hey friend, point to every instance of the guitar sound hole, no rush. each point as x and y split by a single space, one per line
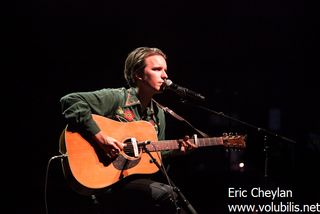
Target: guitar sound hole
128 159
129 150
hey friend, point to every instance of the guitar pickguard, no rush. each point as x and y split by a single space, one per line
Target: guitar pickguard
122 163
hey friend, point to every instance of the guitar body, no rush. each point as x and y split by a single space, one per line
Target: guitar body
89 170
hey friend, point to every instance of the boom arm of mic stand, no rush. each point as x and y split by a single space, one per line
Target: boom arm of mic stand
258 129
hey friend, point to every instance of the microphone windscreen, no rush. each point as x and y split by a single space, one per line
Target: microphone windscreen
168 82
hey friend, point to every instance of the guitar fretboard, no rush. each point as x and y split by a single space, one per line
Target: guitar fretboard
174 144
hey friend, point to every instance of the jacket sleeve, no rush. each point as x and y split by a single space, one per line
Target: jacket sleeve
77 108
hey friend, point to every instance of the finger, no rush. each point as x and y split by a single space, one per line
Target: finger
186 141
114 152
119 145
189 144
115 144
183 144
192 145
183 149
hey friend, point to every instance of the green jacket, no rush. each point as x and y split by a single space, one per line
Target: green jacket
120 104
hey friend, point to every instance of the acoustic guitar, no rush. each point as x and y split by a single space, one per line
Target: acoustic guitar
89 170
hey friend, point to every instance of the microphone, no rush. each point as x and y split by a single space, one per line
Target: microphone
181 91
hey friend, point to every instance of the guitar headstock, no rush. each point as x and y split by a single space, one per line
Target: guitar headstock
234 141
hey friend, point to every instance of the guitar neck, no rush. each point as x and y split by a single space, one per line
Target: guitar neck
174 144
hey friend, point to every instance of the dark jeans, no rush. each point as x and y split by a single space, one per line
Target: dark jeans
139 196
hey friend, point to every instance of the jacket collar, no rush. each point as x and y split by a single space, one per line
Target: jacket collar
132 98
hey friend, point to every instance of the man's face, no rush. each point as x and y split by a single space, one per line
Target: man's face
155 72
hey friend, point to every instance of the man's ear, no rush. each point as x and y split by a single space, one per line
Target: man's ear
138 76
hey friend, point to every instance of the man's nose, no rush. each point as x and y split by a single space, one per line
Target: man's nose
164 75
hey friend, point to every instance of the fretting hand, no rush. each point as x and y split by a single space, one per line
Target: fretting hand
186 145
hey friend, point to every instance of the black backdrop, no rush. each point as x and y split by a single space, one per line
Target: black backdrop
253 61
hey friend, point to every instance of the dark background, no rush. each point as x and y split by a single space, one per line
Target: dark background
253 60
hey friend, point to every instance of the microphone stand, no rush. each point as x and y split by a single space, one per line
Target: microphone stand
263 131
174 187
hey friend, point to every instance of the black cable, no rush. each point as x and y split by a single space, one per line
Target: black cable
46 178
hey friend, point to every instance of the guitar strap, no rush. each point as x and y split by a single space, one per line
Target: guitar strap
180 118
